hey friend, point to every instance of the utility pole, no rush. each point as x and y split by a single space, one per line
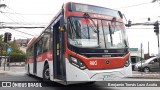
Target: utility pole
141 58
2 5
148 49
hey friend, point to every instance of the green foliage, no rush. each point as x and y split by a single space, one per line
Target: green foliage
15 48
16 55
17 58
1 40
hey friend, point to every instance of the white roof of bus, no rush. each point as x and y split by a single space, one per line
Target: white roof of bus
31 42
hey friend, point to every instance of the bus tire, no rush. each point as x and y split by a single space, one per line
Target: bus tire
46 73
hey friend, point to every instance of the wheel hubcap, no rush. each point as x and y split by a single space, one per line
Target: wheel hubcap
47 73
146 70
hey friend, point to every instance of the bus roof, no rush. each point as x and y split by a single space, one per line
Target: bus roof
89 5
31 42
94 10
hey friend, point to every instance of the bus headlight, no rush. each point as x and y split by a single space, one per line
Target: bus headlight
127 62
76 62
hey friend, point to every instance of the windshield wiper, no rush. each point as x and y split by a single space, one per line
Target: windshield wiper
73 28
110 32
113 21
86 15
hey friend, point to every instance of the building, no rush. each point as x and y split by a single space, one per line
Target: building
136 56
23 44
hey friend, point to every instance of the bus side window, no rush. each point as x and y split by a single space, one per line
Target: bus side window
30 52
39 46
45 44
46 40
51 37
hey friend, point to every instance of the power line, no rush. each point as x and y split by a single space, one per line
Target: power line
23 13
18 17
15 27
22 32
13 18
9 18
15 34
11 27
26 14
15 14
25 23
22 18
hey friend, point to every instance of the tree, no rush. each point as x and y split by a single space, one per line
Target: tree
16 55
1 44
15 48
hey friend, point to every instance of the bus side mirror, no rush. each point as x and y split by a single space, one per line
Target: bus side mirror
129 24
120 14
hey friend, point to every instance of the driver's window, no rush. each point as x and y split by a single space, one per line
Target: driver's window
151 62
155 60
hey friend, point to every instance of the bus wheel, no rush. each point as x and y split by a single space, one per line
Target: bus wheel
46 73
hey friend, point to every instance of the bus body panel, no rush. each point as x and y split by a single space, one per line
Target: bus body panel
51 70
40 66
40 60
99 63
75 74
31 68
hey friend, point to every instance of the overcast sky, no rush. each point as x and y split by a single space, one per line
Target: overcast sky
42 11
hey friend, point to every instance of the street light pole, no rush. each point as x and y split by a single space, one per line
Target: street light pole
141 59
156 30
158 40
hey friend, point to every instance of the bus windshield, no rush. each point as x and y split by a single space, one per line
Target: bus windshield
96 33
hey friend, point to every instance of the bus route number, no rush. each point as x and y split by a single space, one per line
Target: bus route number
93 63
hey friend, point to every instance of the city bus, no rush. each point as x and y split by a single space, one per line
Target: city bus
82 43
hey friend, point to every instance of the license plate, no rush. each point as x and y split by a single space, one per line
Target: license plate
110 76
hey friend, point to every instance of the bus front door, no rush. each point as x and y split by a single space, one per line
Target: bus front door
58 62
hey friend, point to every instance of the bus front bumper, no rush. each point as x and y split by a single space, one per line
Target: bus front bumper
75 74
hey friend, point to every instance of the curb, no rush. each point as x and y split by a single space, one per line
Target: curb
145 77
1 71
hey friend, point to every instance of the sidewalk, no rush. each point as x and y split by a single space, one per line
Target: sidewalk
2 70
14 69
150 75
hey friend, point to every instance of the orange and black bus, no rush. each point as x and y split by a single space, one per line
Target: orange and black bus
82 43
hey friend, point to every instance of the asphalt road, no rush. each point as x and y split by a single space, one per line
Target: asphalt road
18 74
